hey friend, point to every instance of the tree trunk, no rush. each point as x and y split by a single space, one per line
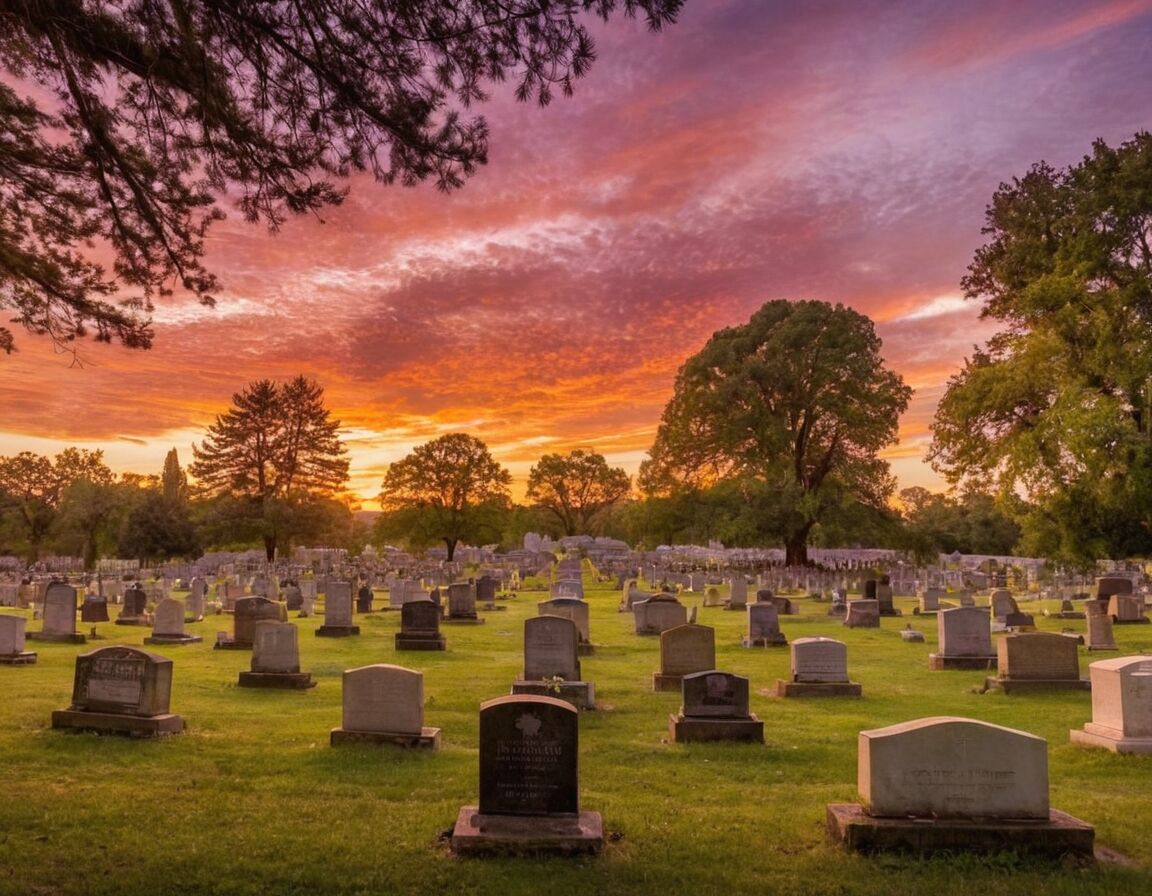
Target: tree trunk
451 544
796 547
270 547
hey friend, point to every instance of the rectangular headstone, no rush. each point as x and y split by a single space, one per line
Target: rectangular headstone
529 757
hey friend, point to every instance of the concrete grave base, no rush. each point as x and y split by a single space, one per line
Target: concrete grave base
410 642
292 681
1036 685
427 739
1143 620
462 620
1061 835
682 729
72 638
581 694
779 641
1093 735
662 682
337 631
818 688
133 620
517 835
173 639
24 658
937 661
112 723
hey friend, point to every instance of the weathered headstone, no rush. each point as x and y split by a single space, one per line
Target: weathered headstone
819 669
658 614
168 624
1127 609
276 659
964 640
1036 661
884 598
364 599
863 613
59 618
12 652
738 593
930 600
684 650
1100 636
420 627
568 588
194 605
121 690
574 609
94 608
954 783
1006 611
529 783
462 604
338 612
135 608
764 626
551 662
248 612
715 707
384 704
1121 706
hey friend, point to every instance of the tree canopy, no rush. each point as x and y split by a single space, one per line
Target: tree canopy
576 488
274 451
798 400
141 115
450 489
1058 405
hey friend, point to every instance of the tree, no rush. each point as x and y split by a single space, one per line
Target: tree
1057 406
173 481
797 400
275 451
158 529
450 489
160 108
33 486
972 523
576 489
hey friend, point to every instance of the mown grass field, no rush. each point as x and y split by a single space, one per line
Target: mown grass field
253 800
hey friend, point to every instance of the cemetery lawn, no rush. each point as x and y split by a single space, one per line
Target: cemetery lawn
252 801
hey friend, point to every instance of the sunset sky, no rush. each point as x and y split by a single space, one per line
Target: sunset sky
756 150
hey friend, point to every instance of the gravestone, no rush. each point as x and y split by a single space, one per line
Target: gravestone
633 596
486 593
551 662
819 669
764 626
839 605
194 606
573 588
276 659
1121 706
420 627
121 690
1106 586
684 650
1127 609
364 599
574 609
59 616
884 598
384 704
1100 636
94 608
1006 611
738 593
1029 662
658 614
715 707
863 613
168 624
462 604
307 597
967 599
956 784
135 608
248 612
930 600
964 640
529 783
338 612
293 597
12 652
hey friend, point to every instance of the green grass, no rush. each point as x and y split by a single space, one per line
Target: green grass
253 800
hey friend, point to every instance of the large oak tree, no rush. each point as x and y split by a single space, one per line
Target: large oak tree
271 455
1057 406
124 122
576 488
450 489
793 407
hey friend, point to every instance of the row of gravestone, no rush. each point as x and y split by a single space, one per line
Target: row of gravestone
937 782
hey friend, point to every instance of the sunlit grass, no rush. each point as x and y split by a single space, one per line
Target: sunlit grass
252 800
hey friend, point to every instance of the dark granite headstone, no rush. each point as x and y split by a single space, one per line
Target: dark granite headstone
121 690
419 627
